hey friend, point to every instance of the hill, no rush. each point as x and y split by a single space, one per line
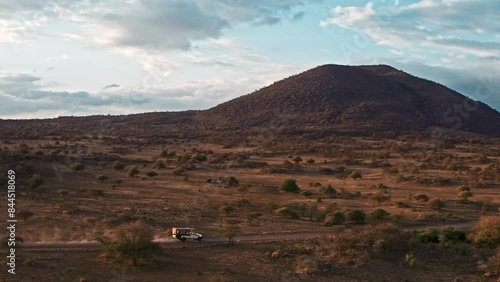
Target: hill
353 100
356 99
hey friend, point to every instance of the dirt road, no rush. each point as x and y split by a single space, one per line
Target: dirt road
170 242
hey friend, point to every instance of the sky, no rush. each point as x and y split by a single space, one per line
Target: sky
70 57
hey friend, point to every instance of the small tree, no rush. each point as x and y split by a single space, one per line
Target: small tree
311 210
380 198
133 171
132 242
290 185
243 189
35 181
117 165
231 229
357 216
76 167
253 216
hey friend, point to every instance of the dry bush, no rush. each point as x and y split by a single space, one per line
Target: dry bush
309 265
435 204
386 238
487 232
334 218
347 249
492 265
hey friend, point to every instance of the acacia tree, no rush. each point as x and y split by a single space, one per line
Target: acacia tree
380 198
253 216
243 189
231 228
133 241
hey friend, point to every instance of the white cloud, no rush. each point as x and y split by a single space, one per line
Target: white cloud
347 16
446 24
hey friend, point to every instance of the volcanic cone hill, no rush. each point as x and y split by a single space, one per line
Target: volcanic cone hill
361 99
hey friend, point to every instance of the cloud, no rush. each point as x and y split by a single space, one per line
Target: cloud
111 86
454 42
175 24
24 96
348 16
426 23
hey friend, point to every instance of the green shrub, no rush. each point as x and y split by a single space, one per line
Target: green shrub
355 175
159 164
379 214
101 178
117 165
230 181
289 185
445 237
431 235
199 157
329 190
306 193
152 174
132 242
357 216
133 171
449 236
179 171
35 181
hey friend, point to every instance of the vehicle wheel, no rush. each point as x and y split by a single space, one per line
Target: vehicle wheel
183 239
199 239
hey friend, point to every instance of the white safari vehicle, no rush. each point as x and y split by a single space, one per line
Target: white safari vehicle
185 233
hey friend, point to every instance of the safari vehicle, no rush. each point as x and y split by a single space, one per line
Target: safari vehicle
186 233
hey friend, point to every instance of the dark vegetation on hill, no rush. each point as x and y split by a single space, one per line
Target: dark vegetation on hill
329 99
